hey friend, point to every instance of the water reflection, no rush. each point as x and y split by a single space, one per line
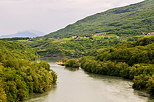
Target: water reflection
71 69
117 81
52 59
75 85
41 97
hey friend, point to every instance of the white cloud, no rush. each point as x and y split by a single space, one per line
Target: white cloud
49 15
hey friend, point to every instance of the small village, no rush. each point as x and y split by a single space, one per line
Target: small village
79 37
151 33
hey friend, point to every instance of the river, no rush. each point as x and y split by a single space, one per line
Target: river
79 86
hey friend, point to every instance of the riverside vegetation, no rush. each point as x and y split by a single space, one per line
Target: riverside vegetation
131 60
103 54
20 75
71 46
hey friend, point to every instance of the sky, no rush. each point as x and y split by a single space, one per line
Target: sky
50 15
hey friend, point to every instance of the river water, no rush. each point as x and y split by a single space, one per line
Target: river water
79 86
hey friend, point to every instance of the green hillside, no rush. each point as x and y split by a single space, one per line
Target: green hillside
130 60
129 20
20 75
73 47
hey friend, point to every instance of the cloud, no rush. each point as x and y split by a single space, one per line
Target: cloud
49 15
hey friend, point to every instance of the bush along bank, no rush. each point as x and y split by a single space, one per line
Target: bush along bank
72 63
134 61
19 76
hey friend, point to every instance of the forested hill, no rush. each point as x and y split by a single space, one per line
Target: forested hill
130 20
19 76
130 60
14 50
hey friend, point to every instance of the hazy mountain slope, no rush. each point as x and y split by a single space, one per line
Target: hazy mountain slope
24 34
133 19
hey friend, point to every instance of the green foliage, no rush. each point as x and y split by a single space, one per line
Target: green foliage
45 65
133 61
143 81
73 47
129 20
140 51
72 63
12 50
104 68
2 92
19 76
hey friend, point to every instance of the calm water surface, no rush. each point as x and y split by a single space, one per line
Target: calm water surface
79 86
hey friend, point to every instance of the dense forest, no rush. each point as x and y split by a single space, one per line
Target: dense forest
75 47
107 43
134 19
20 75
130 60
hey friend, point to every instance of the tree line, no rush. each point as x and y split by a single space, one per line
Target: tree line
130 60
20 75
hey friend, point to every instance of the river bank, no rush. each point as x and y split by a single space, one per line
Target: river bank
80 86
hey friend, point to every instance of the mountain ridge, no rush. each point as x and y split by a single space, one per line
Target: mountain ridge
28 33
127 20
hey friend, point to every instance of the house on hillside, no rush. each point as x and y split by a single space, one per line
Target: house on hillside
74 37
78 37
98 34
151 33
